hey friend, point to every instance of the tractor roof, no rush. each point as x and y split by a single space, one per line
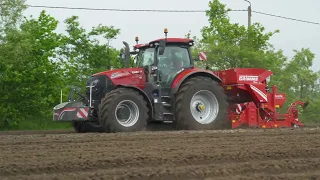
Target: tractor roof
137 46
169 41
174 40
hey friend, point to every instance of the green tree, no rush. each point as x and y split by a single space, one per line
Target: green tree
83 54
36 62
299 81
10 15
302 78
230 45
30 76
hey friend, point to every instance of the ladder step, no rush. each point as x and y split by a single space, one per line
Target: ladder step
165 97
166 104
167 113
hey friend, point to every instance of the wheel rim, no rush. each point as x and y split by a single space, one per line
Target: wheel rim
127 113
204 107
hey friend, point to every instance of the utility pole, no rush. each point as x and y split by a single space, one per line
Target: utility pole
249 13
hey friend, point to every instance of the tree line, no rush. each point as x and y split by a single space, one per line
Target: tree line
36 62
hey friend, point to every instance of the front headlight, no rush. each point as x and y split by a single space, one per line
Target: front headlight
101 85
95 82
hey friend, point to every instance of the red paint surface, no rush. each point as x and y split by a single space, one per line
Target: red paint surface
254 90
184 73
127 77
267 117
261 107
231 76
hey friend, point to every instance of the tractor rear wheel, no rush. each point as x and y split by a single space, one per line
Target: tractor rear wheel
123 110
200 104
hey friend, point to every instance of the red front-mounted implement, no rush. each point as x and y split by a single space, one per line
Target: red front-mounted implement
252 104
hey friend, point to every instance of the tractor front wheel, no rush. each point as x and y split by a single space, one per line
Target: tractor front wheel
200 104
123 110
78 127
85 127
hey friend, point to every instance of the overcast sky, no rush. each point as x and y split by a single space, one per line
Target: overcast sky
150 25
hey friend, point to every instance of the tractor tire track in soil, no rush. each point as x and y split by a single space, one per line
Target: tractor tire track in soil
228 154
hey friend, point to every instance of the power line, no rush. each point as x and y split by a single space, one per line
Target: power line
283 17
161 10
126 10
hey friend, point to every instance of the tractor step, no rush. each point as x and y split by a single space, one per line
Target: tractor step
167 107
166 101
166 104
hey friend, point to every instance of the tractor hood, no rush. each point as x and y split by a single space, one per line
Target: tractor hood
106 81
125 77
120 73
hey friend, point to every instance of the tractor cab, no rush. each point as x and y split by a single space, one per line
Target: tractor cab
162 59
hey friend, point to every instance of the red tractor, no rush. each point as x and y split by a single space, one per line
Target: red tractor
161 85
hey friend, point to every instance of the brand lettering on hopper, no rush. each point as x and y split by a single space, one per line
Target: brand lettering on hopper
248 78
278 96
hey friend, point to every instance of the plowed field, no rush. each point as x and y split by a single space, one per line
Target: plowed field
231 154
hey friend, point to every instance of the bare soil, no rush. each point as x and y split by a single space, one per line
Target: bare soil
231 154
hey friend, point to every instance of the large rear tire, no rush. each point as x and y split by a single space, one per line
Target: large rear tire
123 110
200 104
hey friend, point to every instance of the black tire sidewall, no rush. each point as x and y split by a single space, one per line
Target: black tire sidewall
113 125
85 127
76 126
198 85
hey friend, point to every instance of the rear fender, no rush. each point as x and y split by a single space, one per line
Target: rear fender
184 75
71 111
146 97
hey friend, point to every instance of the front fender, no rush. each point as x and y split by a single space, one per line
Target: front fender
188 73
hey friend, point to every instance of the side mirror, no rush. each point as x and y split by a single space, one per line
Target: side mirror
122 56
126 55
162 46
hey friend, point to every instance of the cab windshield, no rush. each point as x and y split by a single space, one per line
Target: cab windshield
172 55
